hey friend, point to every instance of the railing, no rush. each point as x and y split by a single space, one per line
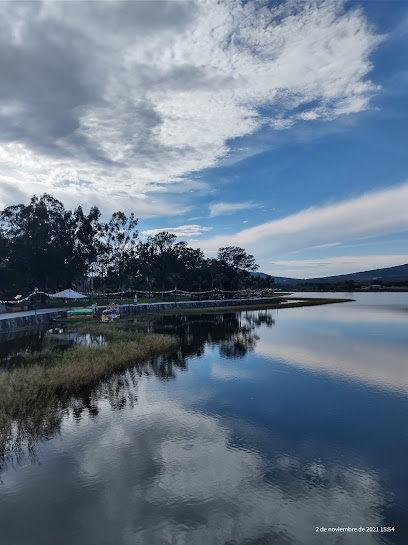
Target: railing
213 294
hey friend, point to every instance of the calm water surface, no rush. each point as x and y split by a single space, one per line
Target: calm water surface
264 426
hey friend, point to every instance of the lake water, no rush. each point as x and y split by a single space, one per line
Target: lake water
266 426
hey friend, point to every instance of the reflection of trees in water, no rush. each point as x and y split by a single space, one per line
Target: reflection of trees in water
16 345
19 435
13 346
260 318
232 332
39 421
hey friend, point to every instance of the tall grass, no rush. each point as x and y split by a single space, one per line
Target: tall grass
49 373
33 398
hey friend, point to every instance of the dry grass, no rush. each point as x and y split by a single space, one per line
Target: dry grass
33 398
51 374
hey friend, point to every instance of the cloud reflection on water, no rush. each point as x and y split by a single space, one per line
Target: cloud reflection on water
140 463
375 365
186 482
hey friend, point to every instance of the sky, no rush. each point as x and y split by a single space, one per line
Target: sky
280 127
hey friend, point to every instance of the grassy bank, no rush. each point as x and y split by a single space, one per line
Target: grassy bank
35 398
282 303
51 374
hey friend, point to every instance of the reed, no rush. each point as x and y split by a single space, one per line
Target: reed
51 374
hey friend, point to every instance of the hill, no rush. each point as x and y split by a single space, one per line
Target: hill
388 274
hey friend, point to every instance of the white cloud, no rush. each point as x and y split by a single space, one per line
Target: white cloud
373 214
186 231
346 264
135 95
74 193
224 208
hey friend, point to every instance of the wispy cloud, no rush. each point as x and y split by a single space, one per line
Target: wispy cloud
373 214
331 266
224 208
185 231
86 97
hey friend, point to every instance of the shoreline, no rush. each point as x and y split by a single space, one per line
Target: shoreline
281 302
48 379
47 374
286 303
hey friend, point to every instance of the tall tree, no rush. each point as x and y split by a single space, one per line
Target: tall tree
47 246
165 263
84 231
236 257
117 243
37 240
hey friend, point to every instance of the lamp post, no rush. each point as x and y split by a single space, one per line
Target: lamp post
35 300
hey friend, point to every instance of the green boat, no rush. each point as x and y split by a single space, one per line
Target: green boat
78 314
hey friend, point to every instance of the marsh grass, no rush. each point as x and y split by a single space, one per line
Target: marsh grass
33 398
50 374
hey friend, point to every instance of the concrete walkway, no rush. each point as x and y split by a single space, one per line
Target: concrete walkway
12 320
25 313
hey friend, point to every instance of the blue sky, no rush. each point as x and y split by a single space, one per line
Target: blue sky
277 126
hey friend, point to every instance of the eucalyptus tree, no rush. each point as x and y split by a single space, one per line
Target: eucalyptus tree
263 282
37 240
157 260
116 244
5 273
163 263
234 266
47 246
83 231
236 257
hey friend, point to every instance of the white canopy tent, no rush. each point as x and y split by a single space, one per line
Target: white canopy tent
68 294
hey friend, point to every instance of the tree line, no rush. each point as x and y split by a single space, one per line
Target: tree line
45 246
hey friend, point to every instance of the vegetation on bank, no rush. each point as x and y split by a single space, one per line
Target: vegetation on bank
45 246
49 373
305 302
280 303
34 398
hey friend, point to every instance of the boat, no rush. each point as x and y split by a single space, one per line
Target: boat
78 314
110 313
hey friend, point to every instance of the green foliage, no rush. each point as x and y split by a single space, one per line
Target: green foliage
43 245
236 257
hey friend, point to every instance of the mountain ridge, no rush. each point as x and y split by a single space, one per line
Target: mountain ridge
398 273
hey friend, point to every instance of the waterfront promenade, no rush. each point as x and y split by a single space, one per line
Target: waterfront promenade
26 313
30 317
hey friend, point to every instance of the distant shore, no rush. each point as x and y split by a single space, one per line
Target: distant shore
282 303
